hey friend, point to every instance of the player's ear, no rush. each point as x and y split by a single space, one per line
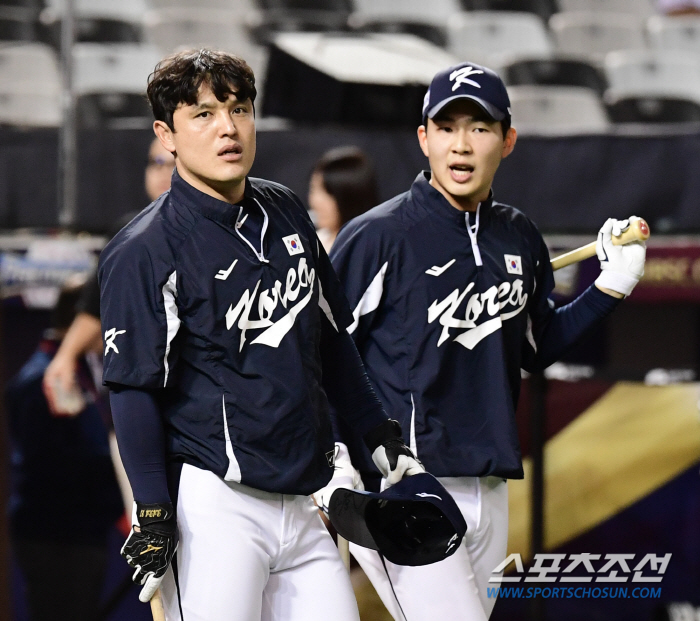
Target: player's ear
509 142
423 139
164 135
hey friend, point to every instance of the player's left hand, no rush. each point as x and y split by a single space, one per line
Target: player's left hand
344 476
621 266
150 549
390 454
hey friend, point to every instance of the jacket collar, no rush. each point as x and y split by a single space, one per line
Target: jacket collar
436 204
210 207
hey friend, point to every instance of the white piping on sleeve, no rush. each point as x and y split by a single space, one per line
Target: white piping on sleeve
473 234
234 470
171 317
370 299
412 439
325 307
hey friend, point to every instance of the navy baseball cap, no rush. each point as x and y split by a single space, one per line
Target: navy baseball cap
468 81
415 522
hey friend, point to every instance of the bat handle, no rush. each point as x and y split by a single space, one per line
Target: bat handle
157 609
344 550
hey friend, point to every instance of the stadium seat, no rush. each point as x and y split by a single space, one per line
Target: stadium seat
674 33
29 66
177 28
30 85
653 110
124 10
557 110
592 35
639 8
302 16
555 72
664 73
29 108
494 38
18 23
113 68
436 11
113 111
231 5
543 8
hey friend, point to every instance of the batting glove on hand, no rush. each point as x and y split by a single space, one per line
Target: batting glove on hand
622 266
151 548
344 477
389 453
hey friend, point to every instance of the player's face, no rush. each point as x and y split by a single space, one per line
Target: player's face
213 143
159 170
464 148
323 205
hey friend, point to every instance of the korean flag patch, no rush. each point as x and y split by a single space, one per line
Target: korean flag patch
293 244
513 264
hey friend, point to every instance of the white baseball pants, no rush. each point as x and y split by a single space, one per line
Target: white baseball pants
456 588
248 555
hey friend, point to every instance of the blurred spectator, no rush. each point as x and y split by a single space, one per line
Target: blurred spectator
678 7
84 333
343 185
65 497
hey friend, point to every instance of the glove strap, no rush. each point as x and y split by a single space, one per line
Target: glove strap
157 518
389 430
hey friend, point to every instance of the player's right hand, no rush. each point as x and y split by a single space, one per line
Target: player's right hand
61 388
390 454
344 476
621 266
151 545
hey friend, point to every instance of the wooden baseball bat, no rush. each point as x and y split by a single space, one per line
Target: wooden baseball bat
344 549
638 230
157 609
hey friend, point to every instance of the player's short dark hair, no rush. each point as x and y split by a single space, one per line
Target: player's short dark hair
348 176
177 78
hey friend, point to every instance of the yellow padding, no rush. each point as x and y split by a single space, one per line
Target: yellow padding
630 442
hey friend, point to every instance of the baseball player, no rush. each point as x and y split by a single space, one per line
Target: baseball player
225 333
450 296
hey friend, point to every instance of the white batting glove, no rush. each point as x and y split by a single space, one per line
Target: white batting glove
344 476
621 266
390 454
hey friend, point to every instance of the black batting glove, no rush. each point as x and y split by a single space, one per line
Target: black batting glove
390 454
151 545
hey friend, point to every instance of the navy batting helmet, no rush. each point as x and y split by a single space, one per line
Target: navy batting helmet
415 522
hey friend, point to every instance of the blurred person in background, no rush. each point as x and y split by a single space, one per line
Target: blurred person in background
65 498
84 333
343 185
678 7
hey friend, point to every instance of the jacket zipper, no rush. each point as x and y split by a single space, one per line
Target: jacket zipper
473 233
239 223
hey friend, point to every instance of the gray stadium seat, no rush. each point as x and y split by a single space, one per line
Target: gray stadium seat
592 35
30 86
435 11
639 8
26 65
178 28
674 33
557 110
661 73
493 38
113 68
18 23
653 110
29 109
555 71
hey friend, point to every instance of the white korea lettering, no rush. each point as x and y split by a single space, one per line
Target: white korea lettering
494 300
296 280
